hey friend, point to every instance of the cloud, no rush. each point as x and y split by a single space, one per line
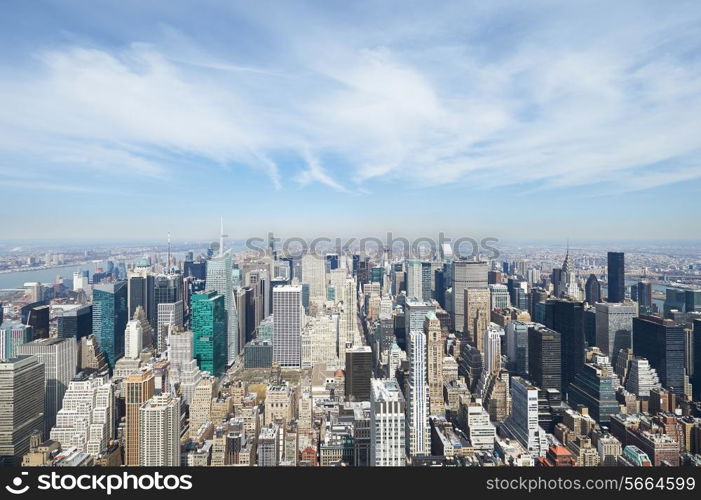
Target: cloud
461 95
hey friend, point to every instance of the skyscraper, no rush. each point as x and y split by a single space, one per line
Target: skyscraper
288 321
614 327
109 318
616 277
477 315
387 424
133 339
60 360
209 318
219 279
544 357
465 274
492 348
21 405
435 353
138 388
568 320
696 374
644 297
358 373
592 290
314 274
522 424
414 287
662 342
159 432
140 290
418 430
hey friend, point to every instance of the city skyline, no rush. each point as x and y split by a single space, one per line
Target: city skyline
361 117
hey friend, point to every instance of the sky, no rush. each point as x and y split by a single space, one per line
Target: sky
527 120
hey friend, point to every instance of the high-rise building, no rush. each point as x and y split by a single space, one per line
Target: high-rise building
544 357
219 279
288 320
595 388
21 405
387 424
159 432
477 315
435 353
516 343
492 348
696 359
523 424
170 315
138 388
140 290
133 339
12 335
592 290
314 274
109 318
465 274
414 284
644 297
499 297
418 429
614 327
616 277
209 319
60 360
662 343
73 320
359 361
568 320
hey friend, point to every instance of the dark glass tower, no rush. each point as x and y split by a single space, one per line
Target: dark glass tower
568 319
616 277
592 289
544 357
662 342
109 318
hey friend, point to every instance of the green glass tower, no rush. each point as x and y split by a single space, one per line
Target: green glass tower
209 332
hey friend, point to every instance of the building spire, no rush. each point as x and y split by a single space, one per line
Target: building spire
168 267
221 236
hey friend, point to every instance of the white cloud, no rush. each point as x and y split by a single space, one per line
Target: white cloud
554 109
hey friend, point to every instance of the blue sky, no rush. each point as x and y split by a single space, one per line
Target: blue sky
507 119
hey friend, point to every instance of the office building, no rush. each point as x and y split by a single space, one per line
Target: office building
464 275
359 361
544 357
59 357
614 327
616 277
387 424
138 388
209 318
21 406
288 320
109 318
662 343
159 432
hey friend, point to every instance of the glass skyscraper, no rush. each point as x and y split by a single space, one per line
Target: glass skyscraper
209 321
109 318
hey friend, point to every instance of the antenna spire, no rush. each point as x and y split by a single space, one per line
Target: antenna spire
221 236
